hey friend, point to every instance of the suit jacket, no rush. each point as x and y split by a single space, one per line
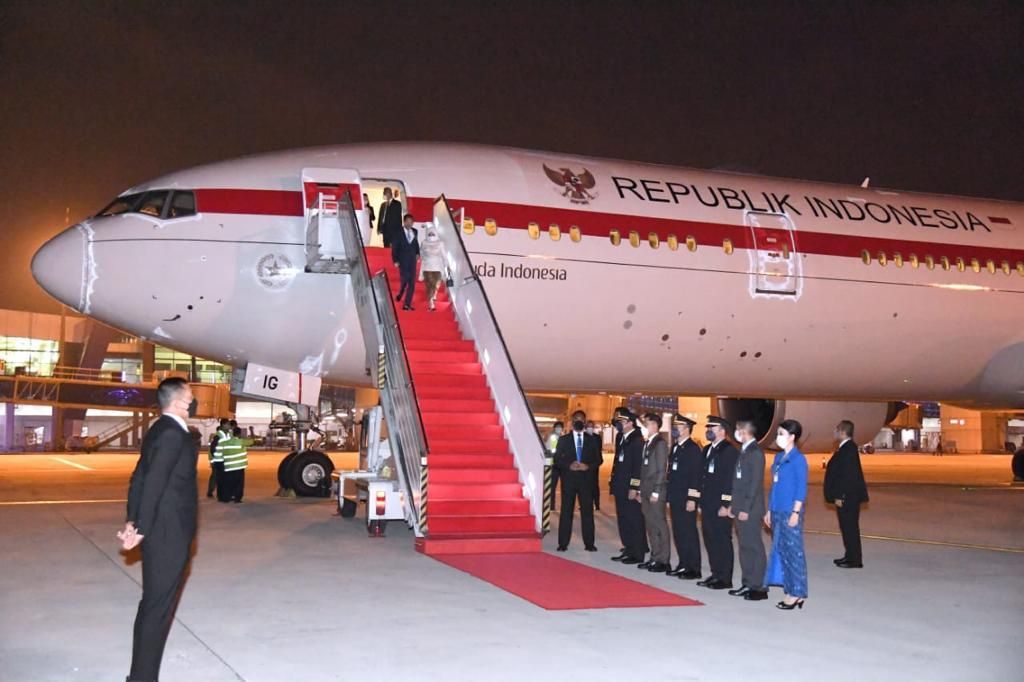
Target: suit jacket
162 495
844 477
565 454
599 444
719 473
389 218
406 252
629 461
654 471
685 473
748 484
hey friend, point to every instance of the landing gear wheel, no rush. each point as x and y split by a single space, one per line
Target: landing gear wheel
348 508
310 474
283 480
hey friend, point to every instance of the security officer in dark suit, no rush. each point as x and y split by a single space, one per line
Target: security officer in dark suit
845 487
748 510
162 507
685 471
715 499
389 219
405 248
629 456
576 455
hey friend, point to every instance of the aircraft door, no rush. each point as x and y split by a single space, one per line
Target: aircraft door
322 190
775 264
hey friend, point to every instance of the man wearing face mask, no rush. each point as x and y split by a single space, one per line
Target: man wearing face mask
162 506
653 476
748 509
629 454
576 455
715 499
685 470
845 488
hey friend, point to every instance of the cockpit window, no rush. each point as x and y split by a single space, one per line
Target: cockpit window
182 204
153 203
120 205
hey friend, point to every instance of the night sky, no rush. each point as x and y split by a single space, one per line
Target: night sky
96 96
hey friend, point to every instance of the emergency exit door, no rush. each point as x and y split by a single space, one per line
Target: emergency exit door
322 192
776 268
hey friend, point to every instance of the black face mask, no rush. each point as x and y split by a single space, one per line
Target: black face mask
578 425
193 407
709 434
618 426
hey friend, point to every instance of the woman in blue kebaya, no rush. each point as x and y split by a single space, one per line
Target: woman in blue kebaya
788 565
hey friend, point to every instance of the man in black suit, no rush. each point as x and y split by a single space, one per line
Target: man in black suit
162 505
389 220
406 250
629 457
685 471
715 499
595 471
748 510
576 455
845 487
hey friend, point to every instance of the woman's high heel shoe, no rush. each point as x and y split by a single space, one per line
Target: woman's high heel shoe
798 604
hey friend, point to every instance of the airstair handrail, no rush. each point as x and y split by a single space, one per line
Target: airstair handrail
502 377
367 305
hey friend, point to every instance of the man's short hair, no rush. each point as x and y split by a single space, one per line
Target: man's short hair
581 414
387 190
237 433
408 216
845 428
557 424
224 421
653 417
747 426
169 390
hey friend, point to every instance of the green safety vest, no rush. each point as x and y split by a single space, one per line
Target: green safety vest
217 457
233 452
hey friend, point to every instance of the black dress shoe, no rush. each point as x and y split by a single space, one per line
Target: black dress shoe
591 548
399 297
407 307
718 585
689 575
658 568
840 560
646 564
678 570
562 548
621 557
756 595
704 583
850 564
741 592
630 560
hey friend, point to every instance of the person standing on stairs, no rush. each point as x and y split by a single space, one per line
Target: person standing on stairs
626 490
389 220
653 475
576 454
406 250
431 264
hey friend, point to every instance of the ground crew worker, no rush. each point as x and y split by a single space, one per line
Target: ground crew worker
653 475
216 461
626 489
235 455
715 499
685 471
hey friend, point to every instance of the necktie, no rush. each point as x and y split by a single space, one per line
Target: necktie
579 447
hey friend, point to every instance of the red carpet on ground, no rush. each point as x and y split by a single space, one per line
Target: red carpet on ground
557 584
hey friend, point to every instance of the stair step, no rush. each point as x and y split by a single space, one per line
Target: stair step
446 368
432 390
465 460
467 476
475 491
451 380
433 405
428 344
521 543
442 356
522 523
467 433
474 507
459 418
486 447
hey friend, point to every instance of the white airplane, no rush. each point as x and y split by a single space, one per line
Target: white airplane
604 276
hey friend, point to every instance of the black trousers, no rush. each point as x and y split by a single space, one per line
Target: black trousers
233 486
849 526
595 482
407 277
752 555
684 533
717 532
555 475
576 484
216 471
632 531
164 561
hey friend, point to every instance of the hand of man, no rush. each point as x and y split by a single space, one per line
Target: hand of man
654 497
634 495
743 516
129 537
839 503
691 506
794 519
768 519
723 512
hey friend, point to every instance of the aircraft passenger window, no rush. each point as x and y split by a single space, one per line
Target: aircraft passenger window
468 226
183 204
691 243
614 237
913 260
534 230
1020 268
945 263
1006 267
634 238
960 265
673 242
153 203
491 226
555 232
727 246
897 260
929 262
652 239
990 265
120 205
574 233
865 257
975 265
882 258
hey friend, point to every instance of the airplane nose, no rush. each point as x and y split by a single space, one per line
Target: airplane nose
58 266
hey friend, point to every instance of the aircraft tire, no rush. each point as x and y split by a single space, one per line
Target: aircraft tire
307 471
282 470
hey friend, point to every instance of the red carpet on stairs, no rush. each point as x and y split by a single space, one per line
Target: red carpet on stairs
556 584
475 499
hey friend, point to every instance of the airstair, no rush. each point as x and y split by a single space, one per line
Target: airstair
468 454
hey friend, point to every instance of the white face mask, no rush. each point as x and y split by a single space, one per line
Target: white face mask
590 430
738 436
782 441
431 237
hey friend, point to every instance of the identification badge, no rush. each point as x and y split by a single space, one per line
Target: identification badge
645 461
739 473
675 466
711 467
622 457
775 478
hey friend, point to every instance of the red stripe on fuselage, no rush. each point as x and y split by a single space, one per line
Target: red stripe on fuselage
597 224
